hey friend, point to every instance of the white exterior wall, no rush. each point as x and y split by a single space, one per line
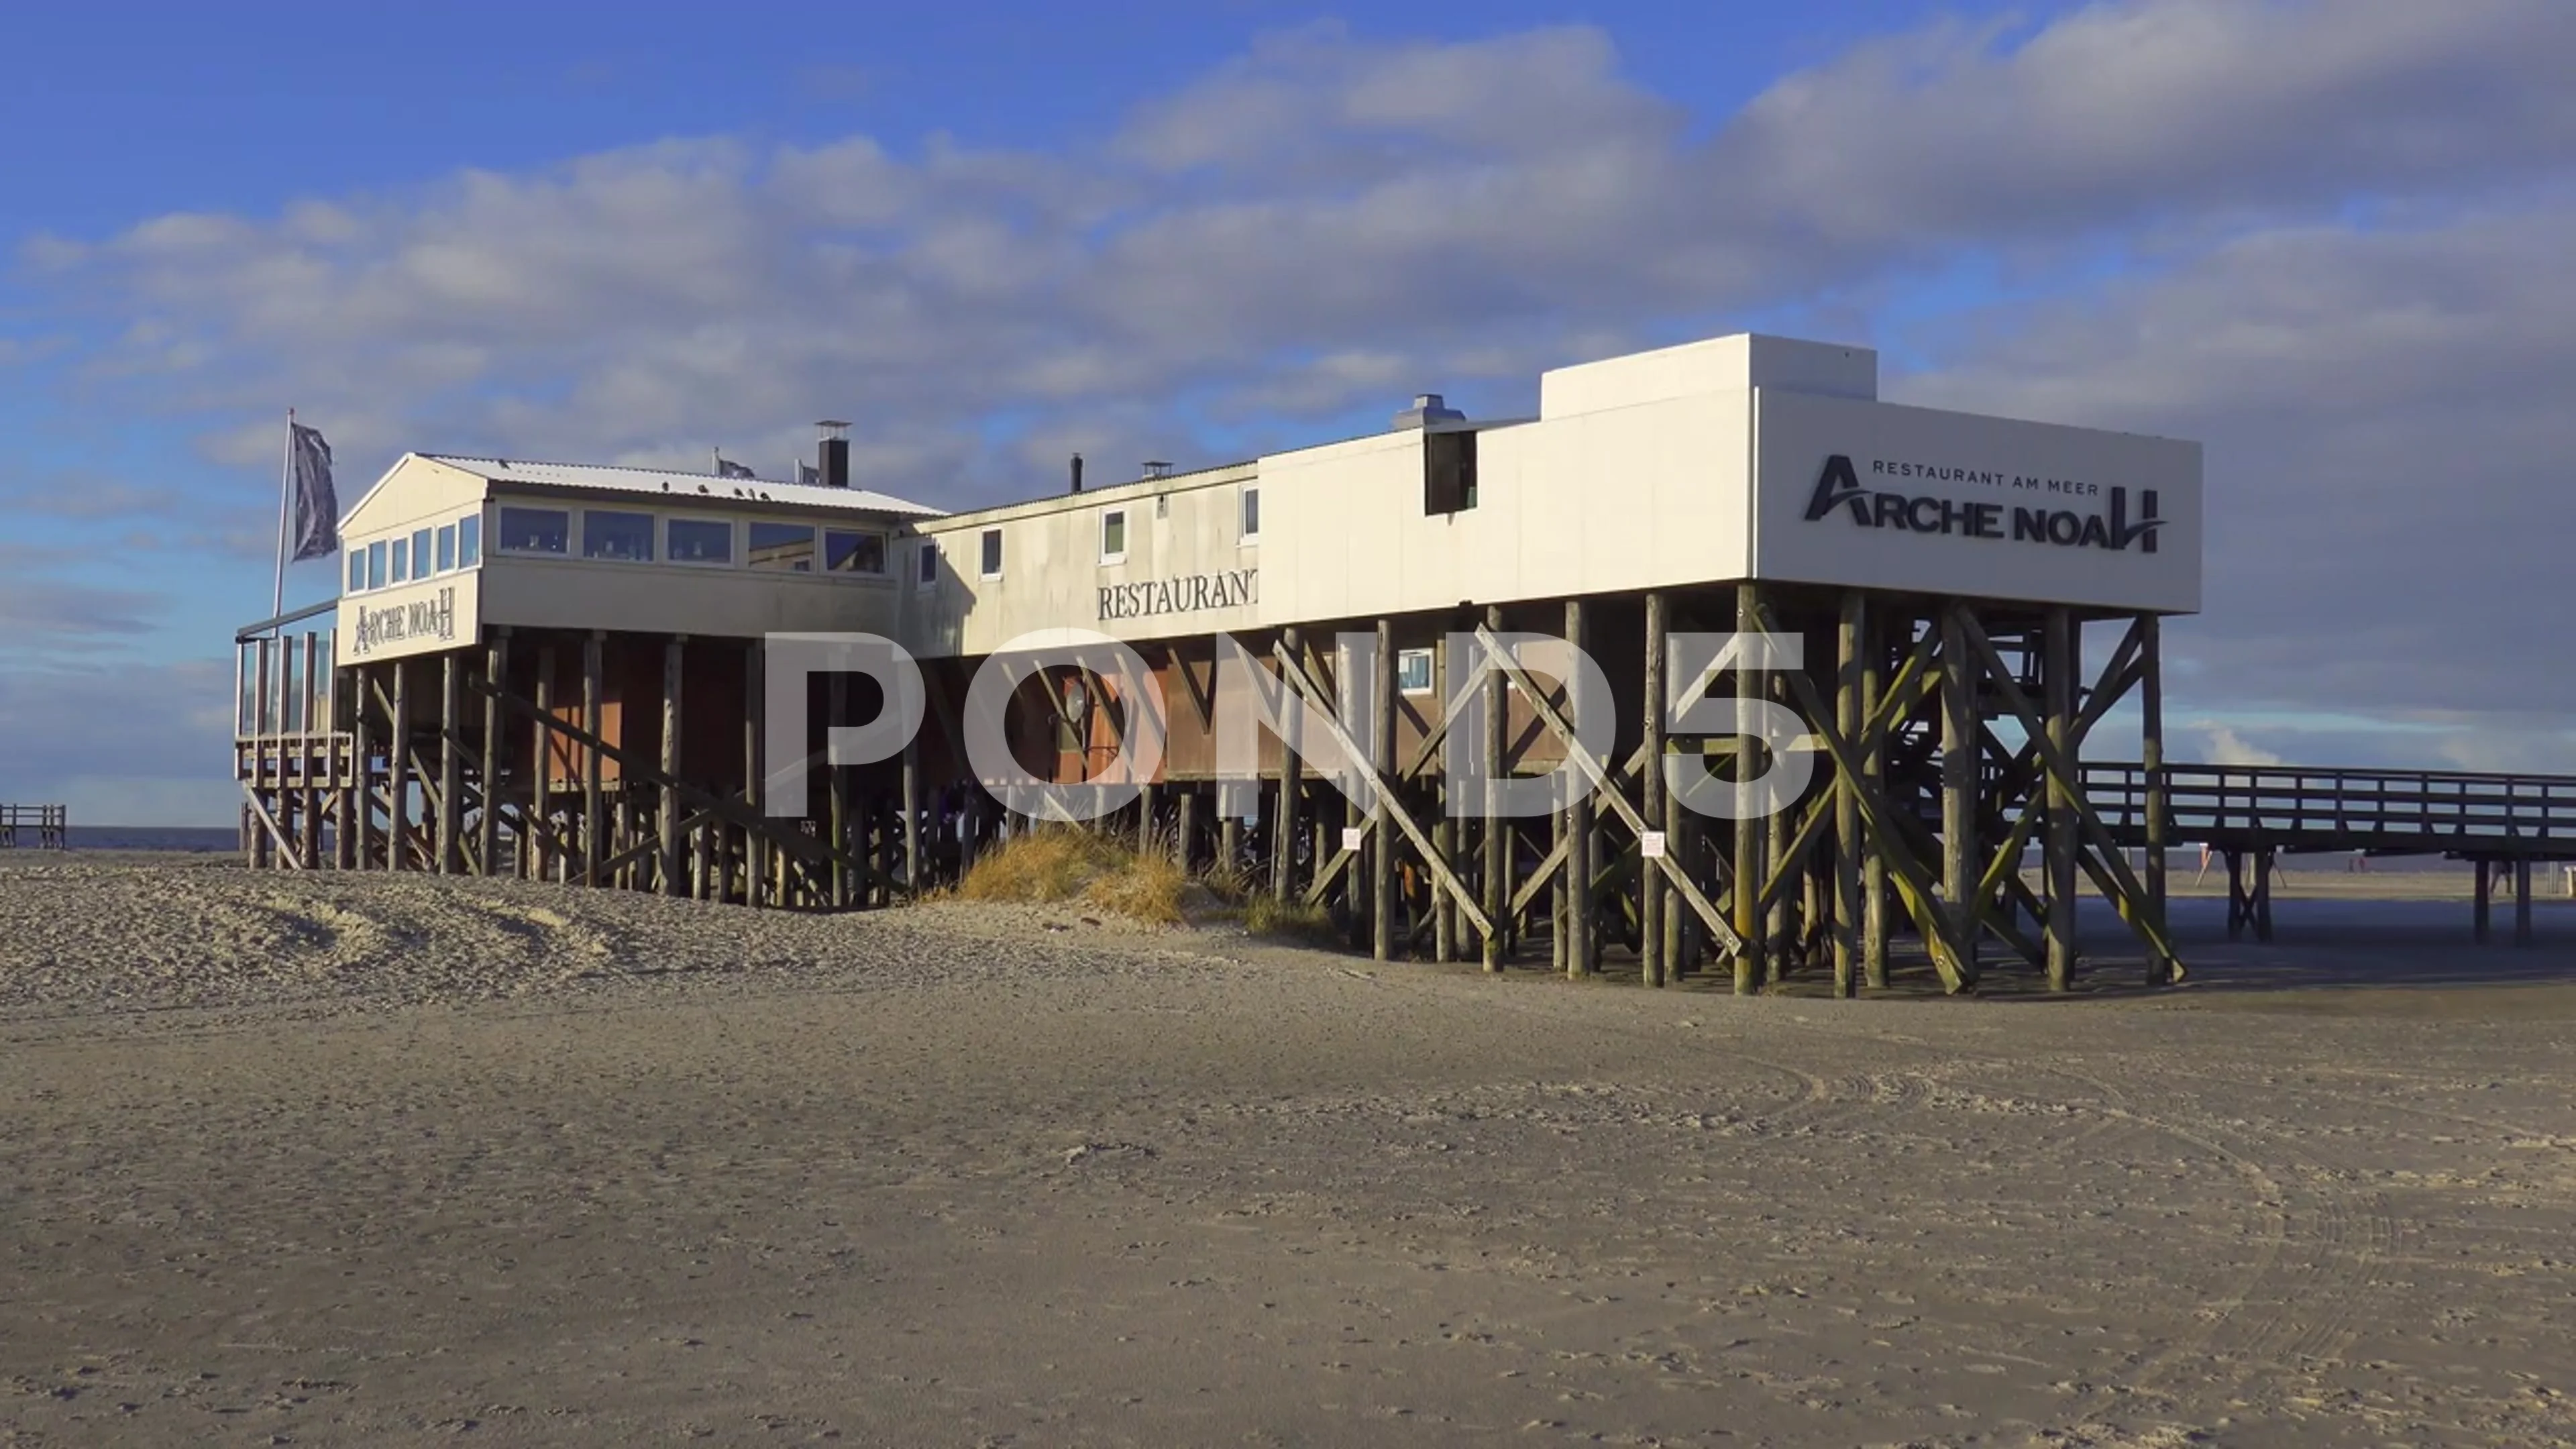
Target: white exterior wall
667 598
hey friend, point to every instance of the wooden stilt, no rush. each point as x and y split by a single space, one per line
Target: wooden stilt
2151 757
1580 920
836 692
1653 966
541 773
2483 930
1873 868
2240 913
358 805
1959 751
496 753
755 721
1283 858
450 761
1381 845
1751 831
915 869
666 811
1498 834
398 782
2522 901
1847 851
2059 849
594 824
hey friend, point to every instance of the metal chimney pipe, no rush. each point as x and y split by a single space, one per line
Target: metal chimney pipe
1077 472
832 460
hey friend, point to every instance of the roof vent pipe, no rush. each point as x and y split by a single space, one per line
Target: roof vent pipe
833 453
1428 408
1077 472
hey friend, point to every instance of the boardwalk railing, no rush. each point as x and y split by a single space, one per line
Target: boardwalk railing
47 827
2288 807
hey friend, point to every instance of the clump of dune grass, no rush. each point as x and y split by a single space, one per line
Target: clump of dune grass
1295 923
1066 865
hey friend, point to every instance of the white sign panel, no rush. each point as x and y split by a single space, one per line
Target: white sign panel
1354 837
1880 496
1650 845
423 618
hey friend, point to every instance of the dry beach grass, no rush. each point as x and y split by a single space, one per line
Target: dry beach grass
352 1160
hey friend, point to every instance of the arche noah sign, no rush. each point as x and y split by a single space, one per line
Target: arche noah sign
1839 488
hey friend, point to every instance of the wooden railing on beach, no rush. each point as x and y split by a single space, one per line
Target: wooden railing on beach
2290 807
46 827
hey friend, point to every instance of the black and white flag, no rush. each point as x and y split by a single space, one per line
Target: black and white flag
317 507
728 468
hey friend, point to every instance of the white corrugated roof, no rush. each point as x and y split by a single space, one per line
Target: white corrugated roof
656 483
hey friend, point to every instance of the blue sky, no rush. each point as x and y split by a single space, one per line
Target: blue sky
2324 238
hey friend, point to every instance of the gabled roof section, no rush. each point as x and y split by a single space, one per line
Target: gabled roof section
657 483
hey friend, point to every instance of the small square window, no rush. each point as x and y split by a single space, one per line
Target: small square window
926 568
469 540
402 560
376 565
447 548
1250 527
1113 536
618 537
535 530
1413 671
357 569
992 549
700 541
846 552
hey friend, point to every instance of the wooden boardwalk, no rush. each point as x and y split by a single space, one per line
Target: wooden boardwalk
46 827
2502 823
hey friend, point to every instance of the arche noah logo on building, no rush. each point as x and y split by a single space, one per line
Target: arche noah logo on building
431 618
1839 487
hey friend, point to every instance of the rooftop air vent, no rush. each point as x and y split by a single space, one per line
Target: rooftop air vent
1429 409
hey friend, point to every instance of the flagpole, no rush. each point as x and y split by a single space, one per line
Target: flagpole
285 486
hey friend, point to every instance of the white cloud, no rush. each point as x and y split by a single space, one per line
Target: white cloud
1328 224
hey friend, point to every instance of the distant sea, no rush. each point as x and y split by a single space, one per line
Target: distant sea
155 837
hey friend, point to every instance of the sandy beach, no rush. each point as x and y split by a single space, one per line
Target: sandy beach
356 1160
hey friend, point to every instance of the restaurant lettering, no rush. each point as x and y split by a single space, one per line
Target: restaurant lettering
1179 595
1839 487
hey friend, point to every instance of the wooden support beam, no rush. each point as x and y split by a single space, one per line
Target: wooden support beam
2059 763
1305 683
275 833
496 753
2522 900
1579 866
1752 832
398 756
536 857
740 809
1888 828
667 827
358 802
1593 773
1283 851
1958 777
594 823
1497 842
2151 759
2059 849
450 765
1873 784
755 718
1652 893
915 868
1381 756
1848 717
